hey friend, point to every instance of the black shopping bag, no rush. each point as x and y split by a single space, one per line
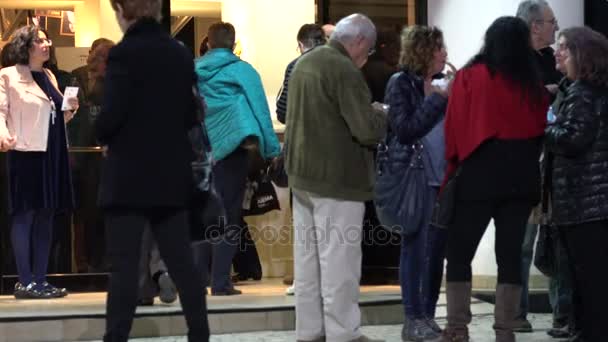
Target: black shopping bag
260 195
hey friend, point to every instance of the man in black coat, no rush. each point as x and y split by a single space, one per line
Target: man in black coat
543 27
146 177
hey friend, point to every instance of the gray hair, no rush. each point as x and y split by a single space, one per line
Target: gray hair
531 10
353 26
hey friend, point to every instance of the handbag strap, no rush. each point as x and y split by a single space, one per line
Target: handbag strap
546 185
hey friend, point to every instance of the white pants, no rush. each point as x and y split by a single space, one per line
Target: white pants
327 254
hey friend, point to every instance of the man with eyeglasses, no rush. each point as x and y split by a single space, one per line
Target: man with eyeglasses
543 28
332 131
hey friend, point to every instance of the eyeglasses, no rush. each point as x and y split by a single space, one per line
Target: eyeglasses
43 40
552 21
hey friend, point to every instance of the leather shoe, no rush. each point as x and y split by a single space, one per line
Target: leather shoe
31 291
54 292
246 276
227 292
167 290
522 325
563 332
145 302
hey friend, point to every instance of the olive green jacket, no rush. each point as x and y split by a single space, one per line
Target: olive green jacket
332 128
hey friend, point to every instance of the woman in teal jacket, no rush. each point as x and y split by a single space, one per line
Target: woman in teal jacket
237 114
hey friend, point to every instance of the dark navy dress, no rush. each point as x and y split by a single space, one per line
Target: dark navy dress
42 180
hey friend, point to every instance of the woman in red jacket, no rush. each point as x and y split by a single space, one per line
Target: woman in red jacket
494 126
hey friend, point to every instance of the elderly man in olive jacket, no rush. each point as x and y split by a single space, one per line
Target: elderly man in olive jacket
332 131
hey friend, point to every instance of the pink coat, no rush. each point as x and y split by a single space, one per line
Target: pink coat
24 108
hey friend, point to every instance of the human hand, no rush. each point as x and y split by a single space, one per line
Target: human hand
441 87
450 74
73 103
8 143
382 107
552 88
274 163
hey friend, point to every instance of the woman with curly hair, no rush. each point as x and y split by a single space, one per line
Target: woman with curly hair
578 140
495 122
32 130
417 108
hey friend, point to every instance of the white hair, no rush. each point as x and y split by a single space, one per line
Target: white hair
531 11
354 26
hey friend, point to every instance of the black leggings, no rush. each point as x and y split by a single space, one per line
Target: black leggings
171 232
586 244
471 218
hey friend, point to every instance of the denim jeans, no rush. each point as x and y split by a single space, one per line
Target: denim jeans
230 179
527 255
421 270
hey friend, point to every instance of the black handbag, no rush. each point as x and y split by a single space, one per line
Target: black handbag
401 190
260 195
443 211
206 206
545 257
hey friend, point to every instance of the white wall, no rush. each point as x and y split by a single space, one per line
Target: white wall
267 31
464 23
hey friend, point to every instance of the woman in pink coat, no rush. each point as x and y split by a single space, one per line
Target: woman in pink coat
32 130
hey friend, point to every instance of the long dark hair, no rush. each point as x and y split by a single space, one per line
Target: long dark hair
508 51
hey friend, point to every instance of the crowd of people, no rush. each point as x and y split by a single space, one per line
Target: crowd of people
515 136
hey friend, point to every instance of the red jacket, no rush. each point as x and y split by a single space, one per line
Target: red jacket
482 107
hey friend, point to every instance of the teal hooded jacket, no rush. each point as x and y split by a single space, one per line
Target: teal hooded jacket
236 104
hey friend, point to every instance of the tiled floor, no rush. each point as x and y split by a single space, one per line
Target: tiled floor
481 331
263 306
82 315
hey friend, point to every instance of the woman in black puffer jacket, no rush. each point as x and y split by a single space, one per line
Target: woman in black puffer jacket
579 141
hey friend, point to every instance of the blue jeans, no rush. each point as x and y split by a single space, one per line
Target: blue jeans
421 270
527 254
230 179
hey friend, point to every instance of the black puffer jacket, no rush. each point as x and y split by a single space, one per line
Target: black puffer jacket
579 141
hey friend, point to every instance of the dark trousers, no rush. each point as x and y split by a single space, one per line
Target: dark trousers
471 218
246 262
421 269
230 178
586 245
150 266
31 237
170 228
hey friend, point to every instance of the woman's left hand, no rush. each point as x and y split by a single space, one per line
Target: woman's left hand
69 114
73 103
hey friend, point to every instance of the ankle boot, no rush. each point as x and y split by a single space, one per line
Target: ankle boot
459 312
505 311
